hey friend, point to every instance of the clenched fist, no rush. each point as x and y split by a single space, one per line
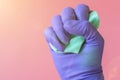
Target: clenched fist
87 64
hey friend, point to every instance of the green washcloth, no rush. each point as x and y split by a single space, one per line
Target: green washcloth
76 42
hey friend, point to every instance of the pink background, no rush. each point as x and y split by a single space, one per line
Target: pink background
24 54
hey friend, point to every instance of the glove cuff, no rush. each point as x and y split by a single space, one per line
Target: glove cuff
85 74
95 77
73 71
94 73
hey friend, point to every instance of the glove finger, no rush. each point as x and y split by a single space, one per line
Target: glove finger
59 30
82 12
52 39
68 14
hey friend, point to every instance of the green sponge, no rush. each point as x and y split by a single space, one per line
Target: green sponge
76 42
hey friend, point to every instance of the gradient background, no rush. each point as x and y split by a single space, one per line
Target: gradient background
24 54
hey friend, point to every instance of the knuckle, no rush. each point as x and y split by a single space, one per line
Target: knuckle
82 6
56 17
67 8
47 31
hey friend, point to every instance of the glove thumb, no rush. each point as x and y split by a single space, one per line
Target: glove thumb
80 28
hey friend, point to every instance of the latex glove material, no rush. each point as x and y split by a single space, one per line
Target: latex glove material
77 42
87 64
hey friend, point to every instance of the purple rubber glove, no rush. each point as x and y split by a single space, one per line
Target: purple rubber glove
87 64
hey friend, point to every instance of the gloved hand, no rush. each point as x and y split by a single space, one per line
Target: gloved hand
87 64
77 42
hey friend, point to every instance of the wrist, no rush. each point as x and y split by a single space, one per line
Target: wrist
94 73
69 68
